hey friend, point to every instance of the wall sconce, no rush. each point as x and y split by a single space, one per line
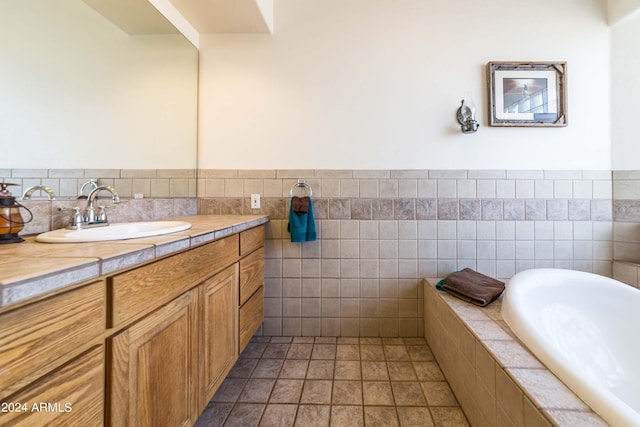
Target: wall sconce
467 115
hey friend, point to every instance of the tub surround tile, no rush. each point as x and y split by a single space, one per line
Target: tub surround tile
546 390
511 354
533 417
572 418
503 371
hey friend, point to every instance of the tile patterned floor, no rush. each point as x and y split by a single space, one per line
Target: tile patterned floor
324 381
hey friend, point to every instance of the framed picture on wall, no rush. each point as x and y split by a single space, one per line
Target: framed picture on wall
530 94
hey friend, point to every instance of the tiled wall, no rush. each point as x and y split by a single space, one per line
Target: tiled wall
626 226
167 193
154 183
381 231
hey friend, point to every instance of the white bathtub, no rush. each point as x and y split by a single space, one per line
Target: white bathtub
586 329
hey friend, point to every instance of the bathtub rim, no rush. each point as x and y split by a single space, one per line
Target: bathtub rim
609 406
451 322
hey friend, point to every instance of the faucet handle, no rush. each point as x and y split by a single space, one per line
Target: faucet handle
76 219
102 211
102 214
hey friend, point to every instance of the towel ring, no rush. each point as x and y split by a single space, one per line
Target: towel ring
301 183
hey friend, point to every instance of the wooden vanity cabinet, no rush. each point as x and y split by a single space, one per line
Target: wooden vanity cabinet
165 365
144 347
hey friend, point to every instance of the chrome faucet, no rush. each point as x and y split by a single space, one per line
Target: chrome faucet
90 217
90 213
92 184
29 191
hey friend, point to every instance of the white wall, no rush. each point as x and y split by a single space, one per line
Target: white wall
375 84
78 92
625 93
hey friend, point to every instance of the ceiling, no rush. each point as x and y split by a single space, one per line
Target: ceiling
224 16
142 17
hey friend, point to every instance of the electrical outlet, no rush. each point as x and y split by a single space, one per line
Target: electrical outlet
255 201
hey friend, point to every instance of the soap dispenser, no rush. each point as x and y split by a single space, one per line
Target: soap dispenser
11 222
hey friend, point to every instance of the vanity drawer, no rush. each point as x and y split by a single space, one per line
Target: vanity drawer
251 274
39 337
72 395
251 239
141 290
251 315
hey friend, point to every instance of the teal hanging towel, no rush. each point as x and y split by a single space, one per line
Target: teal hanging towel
301 226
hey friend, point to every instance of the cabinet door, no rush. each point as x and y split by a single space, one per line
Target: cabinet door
154 368
72 395
219 330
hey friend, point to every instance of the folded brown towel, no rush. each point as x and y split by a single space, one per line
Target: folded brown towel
473 287
300 204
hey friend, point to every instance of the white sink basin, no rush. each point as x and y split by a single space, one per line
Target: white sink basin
117 231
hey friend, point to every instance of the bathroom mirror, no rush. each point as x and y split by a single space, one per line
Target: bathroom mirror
79 92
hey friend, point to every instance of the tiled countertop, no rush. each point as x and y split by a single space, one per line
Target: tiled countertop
31 269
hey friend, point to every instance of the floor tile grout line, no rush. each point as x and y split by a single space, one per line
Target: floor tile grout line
386 359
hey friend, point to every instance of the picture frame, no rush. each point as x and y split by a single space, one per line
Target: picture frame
532 94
